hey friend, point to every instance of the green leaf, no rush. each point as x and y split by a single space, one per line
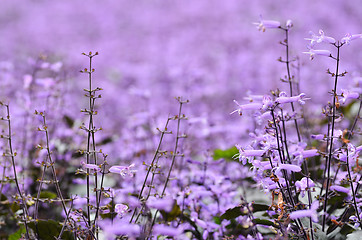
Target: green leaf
69 121
232 213
14 207
227 154
355 235
48 195
49 229
217 220
173 214
259 207
17 235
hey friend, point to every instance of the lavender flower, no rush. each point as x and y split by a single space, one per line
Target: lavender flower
304 184
320 52
123 171
248 106
349 37
283 99
164 230
265 24
312 212
121 209
248 154
346 94
288 167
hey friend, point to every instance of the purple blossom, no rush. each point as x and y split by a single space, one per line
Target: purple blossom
121 209
319 39
320 52
346 94
339 189
312 212
248 154
123 171
350 37
288 167
248 106
283 99
304 184
164 230
166 204
265 24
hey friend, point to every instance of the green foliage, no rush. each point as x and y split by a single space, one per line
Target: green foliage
48 195
17 235
49 229
173 214
227 154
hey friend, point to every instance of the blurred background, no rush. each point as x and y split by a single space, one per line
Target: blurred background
209 52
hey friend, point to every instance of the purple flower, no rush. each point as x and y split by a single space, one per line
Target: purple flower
339 189
289 24
288 167
312 212
167 230
248 106
349 37
283 99
121 209
313 52
346 94
321 38
93 167
166 204
119 227
123 171
304 184
317 136
264 24
248 154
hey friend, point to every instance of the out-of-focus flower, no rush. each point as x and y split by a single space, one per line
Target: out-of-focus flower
123 171
264 24
161 229
165 204
119 227
93 167
248 106
339 189
121 209
349 37
312 212
317 136
289 24
346 94
268 102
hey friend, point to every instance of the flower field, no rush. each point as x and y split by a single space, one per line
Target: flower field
180 120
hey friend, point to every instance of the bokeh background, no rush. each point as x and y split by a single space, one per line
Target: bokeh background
209 52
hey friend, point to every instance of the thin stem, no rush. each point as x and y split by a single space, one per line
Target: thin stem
353 193
12 156
163 132
334 108
174 154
